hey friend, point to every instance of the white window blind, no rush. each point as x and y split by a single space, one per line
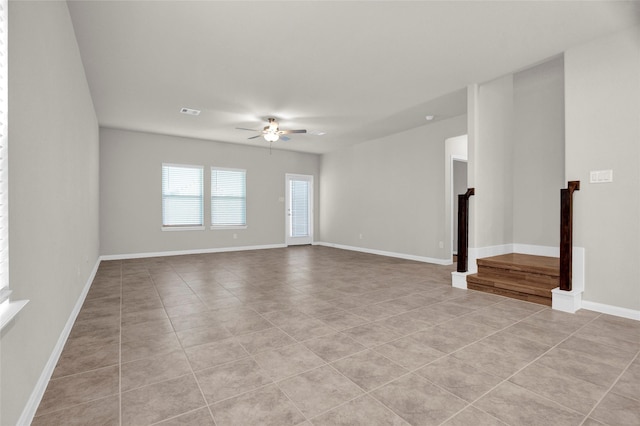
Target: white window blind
4 139
228 197
182 196
299 208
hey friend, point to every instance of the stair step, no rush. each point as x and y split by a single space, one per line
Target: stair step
508 293
516 275
517 262
517 286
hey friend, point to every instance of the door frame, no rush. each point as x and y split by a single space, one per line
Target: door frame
454 199
288 240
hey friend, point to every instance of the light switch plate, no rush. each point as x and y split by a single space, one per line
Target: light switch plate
601 176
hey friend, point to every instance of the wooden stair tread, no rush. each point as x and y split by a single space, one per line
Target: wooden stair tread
518 286
542 265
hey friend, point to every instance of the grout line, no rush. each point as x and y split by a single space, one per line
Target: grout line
610 389
527 365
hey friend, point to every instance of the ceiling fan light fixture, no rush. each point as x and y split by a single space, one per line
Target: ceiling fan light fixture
271 136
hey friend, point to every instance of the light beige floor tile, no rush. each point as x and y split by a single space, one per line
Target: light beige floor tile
199 417
105 411
629 384
215 353
342 320
287 361
473 416
417 401
362 411
618 410
372 334
159 368
369 369
86 357
228 380
459 378
515 405
68 391
202 335
136 349
265 406
319 390
334 346
264 340
409 352
567 390
576 365
161 401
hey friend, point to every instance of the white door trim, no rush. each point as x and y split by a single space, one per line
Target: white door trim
289 241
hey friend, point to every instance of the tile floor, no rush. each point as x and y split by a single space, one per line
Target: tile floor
321 336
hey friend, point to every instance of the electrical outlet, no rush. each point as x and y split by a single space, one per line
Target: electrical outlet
360 236
441 244
235 236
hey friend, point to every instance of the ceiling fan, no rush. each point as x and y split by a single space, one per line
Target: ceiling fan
272 132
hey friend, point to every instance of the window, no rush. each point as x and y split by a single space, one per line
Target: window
182 197
299 208
8 308
228 198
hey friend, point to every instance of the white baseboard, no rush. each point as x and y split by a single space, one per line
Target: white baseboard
476 253
611 310
387 253
38 391
184 252
536 250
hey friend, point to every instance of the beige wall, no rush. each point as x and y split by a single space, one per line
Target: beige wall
130 191
390 190
517 160
53 191
538 153
491 170
603 132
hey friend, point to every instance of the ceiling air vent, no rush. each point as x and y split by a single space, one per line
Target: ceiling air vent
190 111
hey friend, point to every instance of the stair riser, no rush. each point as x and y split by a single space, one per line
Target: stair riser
547 269
518 287
545 281
510 293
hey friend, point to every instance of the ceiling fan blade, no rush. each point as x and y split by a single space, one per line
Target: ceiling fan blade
256 136
243 128
284 138
288 132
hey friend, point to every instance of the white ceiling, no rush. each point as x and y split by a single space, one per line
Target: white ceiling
355 70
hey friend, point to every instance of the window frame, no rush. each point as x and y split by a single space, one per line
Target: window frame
244 198
186 227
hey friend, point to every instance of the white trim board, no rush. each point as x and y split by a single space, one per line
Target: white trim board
388 253
184 252
41 385
611 310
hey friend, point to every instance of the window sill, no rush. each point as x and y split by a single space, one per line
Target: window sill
223 227
183 228
8 311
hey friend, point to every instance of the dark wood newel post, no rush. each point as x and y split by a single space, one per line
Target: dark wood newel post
566 234
463 229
